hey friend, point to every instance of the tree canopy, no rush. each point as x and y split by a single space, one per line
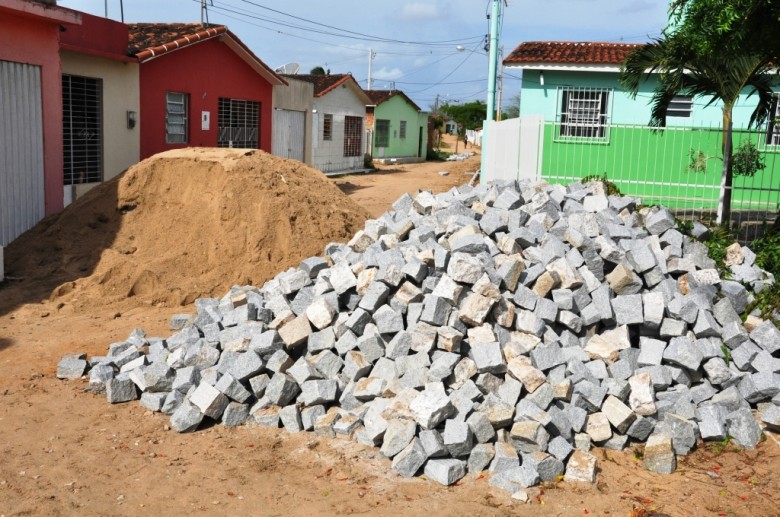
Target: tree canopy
731 26
708 53
468 116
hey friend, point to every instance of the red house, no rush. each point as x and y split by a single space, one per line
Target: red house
200 86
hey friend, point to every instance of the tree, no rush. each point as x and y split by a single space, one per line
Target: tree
733 25
468 116
317 70
513 110
682 67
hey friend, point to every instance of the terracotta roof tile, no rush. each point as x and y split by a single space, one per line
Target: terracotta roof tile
380 96
323 83
159 38
570 52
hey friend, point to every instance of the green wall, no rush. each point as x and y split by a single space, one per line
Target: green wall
538 99
395 110
655 165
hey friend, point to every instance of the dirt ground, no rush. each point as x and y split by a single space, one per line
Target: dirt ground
68 452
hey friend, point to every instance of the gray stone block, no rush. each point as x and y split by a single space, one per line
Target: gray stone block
120 390
397 436
282 389
235 414
232 388
410 459
72 366
445 471
581 467
186 418
682 351
659 457
548 467
431 407
766 336
628 309
742 426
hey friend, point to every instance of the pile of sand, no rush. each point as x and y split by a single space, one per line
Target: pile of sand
184 224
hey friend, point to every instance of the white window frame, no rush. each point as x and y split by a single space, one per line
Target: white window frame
681 106
583 114
176 108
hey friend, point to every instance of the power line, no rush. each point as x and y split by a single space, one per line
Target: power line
343 33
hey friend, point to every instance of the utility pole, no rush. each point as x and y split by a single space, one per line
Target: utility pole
204 13
495 17
371 56
500 82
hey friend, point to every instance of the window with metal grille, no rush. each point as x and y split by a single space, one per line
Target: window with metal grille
327 127
82 124
382 138
584 112
176 118
681 106
238 123
773 126
402 130
353 128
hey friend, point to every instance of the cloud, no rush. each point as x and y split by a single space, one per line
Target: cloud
383 74
417 11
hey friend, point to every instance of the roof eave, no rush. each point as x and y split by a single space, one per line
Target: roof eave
589 67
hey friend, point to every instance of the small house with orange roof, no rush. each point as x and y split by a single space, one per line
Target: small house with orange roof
338 122
398 127
201 86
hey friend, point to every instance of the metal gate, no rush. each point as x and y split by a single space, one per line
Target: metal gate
289 134
21 150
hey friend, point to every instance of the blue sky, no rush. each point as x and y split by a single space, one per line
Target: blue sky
415 41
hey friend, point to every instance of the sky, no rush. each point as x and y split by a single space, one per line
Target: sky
427 48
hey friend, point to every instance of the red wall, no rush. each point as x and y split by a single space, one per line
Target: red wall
34 41
206 71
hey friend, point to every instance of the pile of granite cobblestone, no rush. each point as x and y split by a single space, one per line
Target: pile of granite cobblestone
507 327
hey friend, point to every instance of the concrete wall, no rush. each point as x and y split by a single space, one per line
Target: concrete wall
298 96
396 109
121 145
538 99
328 156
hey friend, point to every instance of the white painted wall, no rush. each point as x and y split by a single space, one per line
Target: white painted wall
328 156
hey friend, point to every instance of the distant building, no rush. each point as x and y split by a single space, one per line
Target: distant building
397 126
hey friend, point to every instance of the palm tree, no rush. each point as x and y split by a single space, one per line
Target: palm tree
683 71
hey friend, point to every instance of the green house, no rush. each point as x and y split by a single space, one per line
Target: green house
578 121
397 128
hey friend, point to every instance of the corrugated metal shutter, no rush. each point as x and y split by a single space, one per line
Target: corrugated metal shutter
289 134
21 150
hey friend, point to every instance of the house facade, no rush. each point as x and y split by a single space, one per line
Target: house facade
31 149
578 121
293 118
201 87
338 115
397 128
101 104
